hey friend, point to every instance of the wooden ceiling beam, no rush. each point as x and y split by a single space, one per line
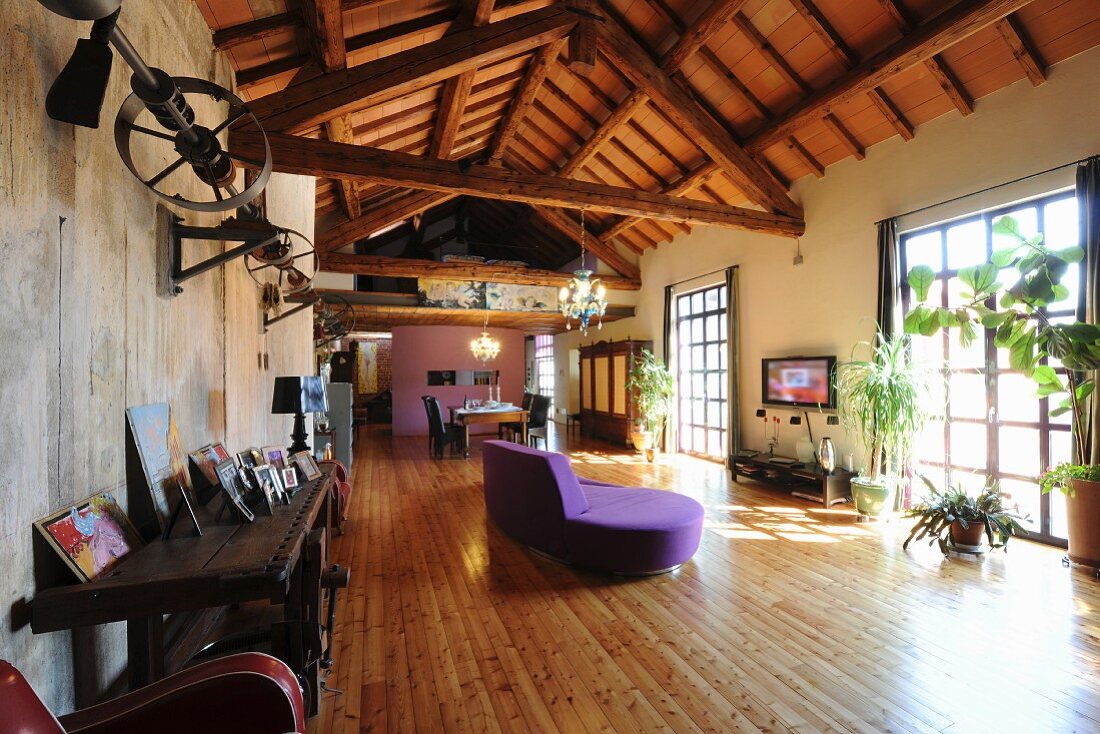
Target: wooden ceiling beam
936 66
537 70
582 41
317 100
401 267
686 183
456 90
751 178
1023 50
804 156
311 157
713 19
605 251
325 21
257 30
377 218
339 130
960 21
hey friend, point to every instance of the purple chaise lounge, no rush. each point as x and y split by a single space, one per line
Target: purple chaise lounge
535 497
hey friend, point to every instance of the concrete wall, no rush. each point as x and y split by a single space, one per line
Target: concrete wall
417 349
85 333
827 304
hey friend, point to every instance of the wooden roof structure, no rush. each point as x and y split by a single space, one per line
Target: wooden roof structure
652 115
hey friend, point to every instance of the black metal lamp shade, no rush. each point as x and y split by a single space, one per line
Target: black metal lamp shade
299 395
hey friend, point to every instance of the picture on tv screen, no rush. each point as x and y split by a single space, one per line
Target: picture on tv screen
801 381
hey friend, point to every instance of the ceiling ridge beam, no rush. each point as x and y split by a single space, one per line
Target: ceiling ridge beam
401 267
754 181
315 101
312 157
928 39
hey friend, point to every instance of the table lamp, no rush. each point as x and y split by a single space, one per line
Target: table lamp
298 396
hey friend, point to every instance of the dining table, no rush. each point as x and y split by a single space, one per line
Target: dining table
467 417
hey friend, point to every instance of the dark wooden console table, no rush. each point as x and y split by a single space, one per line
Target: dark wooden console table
278 558
802 480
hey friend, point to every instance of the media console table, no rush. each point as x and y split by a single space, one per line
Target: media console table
280 558
802 480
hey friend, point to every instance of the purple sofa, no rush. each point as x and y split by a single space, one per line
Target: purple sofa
535 497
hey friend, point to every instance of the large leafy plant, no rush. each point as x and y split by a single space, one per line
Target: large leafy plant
883 401
939 511
654 388
1017 314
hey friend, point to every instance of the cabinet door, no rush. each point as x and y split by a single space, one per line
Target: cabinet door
618 384
602 392
586 383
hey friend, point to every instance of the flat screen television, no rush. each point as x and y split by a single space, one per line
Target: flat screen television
801 382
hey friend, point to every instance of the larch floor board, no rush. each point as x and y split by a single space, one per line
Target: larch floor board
790 618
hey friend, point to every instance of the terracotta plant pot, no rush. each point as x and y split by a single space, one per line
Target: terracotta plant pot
651 455
642 440
872 497
1083 519
968 538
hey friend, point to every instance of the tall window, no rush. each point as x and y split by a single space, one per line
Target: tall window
544 366
989 420
702 383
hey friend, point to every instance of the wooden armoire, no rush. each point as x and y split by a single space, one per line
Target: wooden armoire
608 409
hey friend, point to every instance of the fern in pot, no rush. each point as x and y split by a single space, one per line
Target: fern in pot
882 401
654 390
958 521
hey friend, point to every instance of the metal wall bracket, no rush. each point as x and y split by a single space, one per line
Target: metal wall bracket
269 320
250 233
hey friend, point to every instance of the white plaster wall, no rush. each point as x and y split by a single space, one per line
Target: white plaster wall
827 304
86 334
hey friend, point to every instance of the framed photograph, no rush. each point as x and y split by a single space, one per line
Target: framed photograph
269 497
275 456
219 452
257 457
267 477
203 459
163 465
247 459
306 463
229 480
290 479
92 536
247 480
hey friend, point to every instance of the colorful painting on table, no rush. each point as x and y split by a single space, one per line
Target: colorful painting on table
514 297
92 536
435 293
162 456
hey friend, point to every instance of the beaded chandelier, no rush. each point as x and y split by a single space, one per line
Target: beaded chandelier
584 297
485 347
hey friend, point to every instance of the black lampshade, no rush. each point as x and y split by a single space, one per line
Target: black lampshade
832 420
796 420
761 413
304 394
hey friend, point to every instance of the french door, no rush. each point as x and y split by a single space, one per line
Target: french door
988 419
703 412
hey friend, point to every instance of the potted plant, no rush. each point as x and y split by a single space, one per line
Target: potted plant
958 521
654 390
882 401
1021 326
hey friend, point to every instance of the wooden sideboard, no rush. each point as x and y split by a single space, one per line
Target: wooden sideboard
608 409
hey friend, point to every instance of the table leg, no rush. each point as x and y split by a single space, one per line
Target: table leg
466 439
145 649
524 422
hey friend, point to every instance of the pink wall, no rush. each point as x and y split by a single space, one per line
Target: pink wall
417 349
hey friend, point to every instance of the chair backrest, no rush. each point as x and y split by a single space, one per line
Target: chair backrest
540 411
435 416
531 493
527 398
24 712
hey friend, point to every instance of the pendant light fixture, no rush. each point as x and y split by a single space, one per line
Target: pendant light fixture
485 347
584 297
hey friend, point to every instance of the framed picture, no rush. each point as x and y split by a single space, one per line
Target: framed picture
247 459
203 459
274 455
153 433
290 479
267 477
92 536
307 465
257 457
219 452
229 480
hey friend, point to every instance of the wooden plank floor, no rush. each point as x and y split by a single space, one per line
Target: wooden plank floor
789 618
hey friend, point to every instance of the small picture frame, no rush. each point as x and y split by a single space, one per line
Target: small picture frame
267 477
307 464
203 459
229 480
91 536
275 456
247 458
290 479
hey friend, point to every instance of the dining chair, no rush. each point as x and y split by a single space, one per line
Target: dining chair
537 419
442 434
428 411
516 427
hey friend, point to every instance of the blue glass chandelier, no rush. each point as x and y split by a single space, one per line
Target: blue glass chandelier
584 297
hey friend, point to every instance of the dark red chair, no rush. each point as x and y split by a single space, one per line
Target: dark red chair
248 693
343 491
